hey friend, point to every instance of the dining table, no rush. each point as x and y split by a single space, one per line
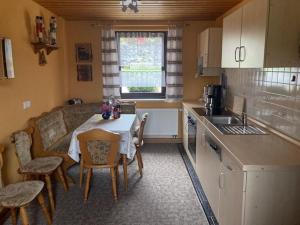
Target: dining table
125 126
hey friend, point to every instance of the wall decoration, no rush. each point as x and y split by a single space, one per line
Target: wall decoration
2 71
40 29
6 59
45 39
52 31
42 58
84 72
83 52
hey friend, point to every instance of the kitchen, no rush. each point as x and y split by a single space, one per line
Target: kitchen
218 83
245 149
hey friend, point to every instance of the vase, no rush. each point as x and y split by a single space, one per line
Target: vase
106 115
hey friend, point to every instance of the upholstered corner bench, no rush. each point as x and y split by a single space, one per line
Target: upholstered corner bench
53 130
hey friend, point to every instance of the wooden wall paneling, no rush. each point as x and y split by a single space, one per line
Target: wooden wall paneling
148 10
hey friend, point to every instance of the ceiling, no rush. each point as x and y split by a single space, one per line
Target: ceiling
148 10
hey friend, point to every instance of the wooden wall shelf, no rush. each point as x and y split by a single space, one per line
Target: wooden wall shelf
39 46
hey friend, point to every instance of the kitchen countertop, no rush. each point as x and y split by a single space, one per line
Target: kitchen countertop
254 152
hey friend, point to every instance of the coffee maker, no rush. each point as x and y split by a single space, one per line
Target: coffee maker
213 99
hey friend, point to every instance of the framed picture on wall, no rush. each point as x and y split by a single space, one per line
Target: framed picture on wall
2 71
83 52
84 72
6 59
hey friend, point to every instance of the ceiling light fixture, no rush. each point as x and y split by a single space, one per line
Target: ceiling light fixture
131 4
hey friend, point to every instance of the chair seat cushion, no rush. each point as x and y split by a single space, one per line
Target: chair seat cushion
136 131
135 140
62 145
20 194
42 165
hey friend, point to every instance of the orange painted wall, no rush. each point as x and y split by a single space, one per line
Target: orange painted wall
45 86
49 86
83 31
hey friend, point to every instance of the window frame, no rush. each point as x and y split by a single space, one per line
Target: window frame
145 95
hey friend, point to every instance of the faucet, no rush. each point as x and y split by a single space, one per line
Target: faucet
244 119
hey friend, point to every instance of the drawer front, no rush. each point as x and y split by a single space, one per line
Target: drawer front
230 162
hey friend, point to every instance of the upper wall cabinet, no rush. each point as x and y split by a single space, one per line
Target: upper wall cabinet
262 33
210 47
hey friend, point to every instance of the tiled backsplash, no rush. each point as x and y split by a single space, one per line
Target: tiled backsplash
272 96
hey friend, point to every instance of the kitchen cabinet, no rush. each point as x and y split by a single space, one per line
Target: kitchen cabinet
242 185
232 28
209 52
262 33
221 178
185 129
232 192
239 197
208 159
210 47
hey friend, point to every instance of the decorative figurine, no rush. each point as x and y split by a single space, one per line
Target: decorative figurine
52 33
116 111
39 28
42 58
45 36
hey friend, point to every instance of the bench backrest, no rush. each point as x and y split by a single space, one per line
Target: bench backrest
51 127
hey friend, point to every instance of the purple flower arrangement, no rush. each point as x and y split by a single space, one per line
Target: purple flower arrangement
106 110
111 107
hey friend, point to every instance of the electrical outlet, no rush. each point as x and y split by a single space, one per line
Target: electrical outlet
26 104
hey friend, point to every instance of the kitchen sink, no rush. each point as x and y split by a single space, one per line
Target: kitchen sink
229 124
239 129
225 120
232 125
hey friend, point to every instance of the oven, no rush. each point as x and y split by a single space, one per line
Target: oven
192 133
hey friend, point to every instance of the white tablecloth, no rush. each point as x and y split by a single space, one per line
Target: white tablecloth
124 126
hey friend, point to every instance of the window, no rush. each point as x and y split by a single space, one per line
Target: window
142 58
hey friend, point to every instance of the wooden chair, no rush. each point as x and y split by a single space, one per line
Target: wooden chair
99 149
37 167
19 195
139 142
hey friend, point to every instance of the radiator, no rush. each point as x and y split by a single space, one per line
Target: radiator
161 123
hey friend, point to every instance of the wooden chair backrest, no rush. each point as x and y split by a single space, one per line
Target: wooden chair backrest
1 164
142 126
99 135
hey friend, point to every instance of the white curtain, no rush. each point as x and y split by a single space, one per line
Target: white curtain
110 65
174 89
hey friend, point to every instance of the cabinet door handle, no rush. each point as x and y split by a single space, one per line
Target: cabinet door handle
214 147
235 53
221 180
229 168
244 53
203 139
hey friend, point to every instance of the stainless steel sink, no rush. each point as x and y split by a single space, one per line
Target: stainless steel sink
239 129
232 125
225 120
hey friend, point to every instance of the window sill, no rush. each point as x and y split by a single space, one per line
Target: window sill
143 100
